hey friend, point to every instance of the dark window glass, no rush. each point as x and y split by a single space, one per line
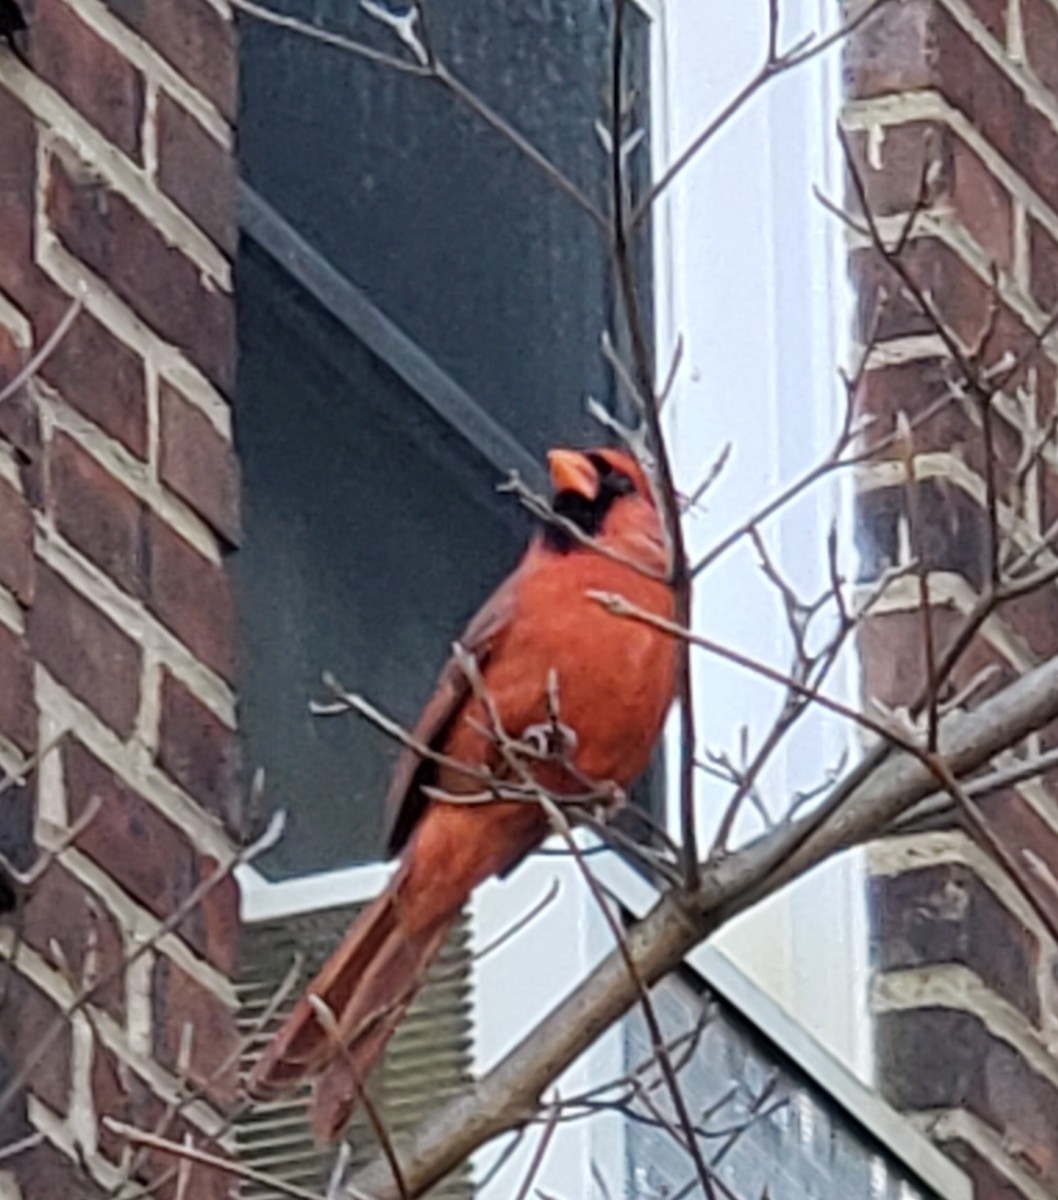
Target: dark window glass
420 309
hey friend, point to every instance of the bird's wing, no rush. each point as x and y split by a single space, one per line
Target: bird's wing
404 800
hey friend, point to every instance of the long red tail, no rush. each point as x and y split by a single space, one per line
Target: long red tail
367 985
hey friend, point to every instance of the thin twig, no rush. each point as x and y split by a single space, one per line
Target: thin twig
51 344
773 66
229 1166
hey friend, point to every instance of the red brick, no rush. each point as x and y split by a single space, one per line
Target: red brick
197 172
993 15
955 179
19 420
956 291
909 156
121 1094
1034 618
85 651
59 910
911 388
1020 828
18 706
16 831
45 1173
894 664
976 1071
919 45
1040 23
16 543
891 51
149 856
195 38
219 915
20 424
146 853
14 1122
101 227
1043 250
179 1001
974 84
192 596
951 530
198 464
11 357
18 176
983 205
988 1182
94 76
200 752
27 1018
99 515
102 378
946 914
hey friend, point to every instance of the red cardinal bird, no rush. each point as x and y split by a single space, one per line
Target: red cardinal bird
539 635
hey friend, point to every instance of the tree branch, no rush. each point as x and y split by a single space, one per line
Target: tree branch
508 1096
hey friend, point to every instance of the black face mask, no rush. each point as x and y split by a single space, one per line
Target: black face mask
587 515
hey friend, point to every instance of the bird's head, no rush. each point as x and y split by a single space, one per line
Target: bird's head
604 492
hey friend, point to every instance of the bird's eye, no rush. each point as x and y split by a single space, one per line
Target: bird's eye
600 464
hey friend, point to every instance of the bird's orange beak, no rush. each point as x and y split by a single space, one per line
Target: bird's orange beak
572 472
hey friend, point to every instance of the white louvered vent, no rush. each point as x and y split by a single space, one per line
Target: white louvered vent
428 1059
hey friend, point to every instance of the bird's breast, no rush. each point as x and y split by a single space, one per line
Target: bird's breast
614 675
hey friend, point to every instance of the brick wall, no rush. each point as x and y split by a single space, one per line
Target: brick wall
964 991
118 502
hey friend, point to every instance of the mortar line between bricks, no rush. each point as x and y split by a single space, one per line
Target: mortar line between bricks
947 588
132 616
140 924
76 277
223 8
12 760
63 121
149 131
899 350
1015 33
897 854
35 967
955 987
16 322
1021 249
149 715
153 65
930 105
156 789
137 923
1042 803
51 804
1035 93
9 472
11 616
941 464
138 477
57 1132
139 1002
81 1116
941 226
950 1124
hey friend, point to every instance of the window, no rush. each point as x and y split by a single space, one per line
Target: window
420 312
